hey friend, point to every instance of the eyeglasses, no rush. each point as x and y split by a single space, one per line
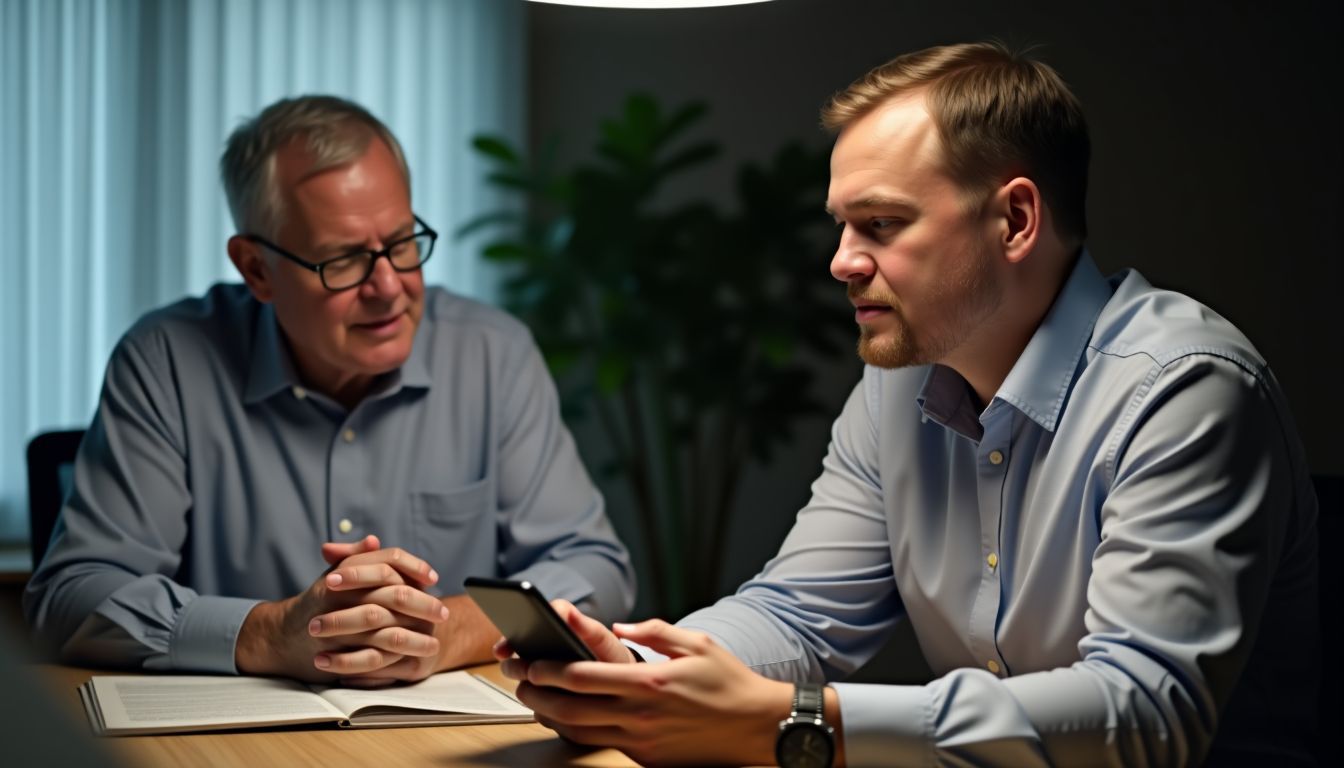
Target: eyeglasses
345 272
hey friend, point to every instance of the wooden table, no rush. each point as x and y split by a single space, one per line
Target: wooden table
497 746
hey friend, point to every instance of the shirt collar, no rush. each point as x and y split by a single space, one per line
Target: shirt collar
1040 380
946 398
272 369
415 371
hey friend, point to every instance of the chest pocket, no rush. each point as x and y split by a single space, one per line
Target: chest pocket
456 533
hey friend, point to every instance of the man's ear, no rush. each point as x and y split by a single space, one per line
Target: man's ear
248 260
1018 202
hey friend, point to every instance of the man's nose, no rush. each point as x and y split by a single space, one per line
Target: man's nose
851 261
384 282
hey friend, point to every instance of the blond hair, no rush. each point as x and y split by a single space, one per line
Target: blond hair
335 131
999 114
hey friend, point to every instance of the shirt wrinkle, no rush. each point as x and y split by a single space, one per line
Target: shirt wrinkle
227 501
1029 491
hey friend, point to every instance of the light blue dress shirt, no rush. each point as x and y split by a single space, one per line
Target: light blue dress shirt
210 478
1113 564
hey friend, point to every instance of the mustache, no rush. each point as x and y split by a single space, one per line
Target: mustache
870 294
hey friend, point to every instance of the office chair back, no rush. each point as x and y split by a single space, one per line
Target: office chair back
51 457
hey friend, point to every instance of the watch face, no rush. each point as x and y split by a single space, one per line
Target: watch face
805 745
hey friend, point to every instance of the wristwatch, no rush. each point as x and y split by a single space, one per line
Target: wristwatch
805 740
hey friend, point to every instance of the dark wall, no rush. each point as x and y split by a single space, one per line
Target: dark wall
1216 161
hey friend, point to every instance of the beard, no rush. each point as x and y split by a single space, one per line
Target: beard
955 306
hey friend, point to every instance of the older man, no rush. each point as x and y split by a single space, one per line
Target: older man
250 438
1086 495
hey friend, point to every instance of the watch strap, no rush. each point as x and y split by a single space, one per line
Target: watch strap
809 700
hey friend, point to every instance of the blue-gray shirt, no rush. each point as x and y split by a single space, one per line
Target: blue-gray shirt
210 477
1113 560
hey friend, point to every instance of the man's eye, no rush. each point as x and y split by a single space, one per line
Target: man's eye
349 263
879 225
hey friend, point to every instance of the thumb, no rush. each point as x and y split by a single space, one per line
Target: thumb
598 638
334 552
664 638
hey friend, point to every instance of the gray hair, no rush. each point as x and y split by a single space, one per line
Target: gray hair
335 131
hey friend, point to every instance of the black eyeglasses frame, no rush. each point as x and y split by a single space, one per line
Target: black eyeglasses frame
320 266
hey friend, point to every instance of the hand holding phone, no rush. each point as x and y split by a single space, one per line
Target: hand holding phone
534 630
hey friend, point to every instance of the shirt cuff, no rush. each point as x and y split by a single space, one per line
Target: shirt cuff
644 652
206 632
886 724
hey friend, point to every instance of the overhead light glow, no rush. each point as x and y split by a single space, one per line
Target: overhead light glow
650 4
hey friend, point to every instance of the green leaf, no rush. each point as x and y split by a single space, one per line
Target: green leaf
509 179
641 114
505 251
560 361
558 234
777 349
612 372
486 220
692 155
682 119
495 147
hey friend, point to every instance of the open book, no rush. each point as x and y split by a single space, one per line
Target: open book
127 705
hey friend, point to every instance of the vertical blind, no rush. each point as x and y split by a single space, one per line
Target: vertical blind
114 116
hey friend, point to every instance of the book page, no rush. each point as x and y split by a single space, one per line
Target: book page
185 702
451 692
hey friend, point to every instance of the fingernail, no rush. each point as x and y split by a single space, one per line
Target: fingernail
622 627
322 661
443 611
433 575
334 579
314 626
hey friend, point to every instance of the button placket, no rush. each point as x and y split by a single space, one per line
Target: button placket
346 483
992 465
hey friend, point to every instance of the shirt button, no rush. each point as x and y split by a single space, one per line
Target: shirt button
346 526
993 560
348 435
996 457
993 666
300 392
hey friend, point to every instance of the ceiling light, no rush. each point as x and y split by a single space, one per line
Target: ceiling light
650 4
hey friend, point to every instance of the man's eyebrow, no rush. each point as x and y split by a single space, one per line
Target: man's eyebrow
352 247
870 202
873 201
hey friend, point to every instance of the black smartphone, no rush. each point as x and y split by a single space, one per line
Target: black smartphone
533 628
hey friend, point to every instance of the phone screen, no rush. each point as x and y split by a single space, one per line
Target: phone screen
524 616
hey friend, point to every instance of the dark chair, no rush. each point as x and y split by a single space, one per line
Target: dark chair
51 456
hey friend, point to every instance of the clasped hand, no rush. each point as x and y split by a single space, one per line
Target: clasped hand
366 621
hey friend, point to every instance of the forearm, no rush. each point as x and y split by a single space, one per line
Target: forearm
835 719
467 636
257 651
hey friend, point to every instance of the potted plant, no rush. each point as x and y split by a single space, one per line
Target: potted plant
678 327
